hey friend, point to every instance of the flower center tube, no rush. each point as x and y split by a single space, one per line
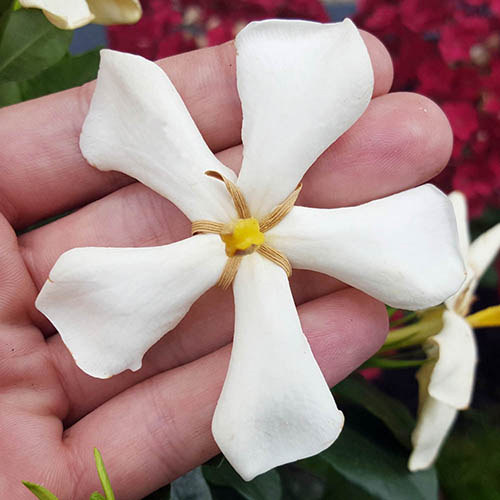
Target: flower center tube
244 238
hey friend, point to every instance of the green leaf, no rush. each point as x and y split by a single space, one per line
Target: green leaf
10 93
264 487
5 5
39 491
379 468
191 486
29 45
70 71
96 496
161 494
103 476
337 486
469 464
299 483
390 411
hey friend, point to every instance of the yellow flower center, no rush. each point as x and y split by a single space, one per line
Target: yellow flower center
245 237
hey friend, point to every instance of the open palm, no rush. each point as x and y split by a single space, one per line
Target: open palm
153 425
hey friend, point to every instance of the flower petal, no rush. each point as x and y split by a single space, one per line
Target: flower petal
455 354
434 423
138 124
481 253
275 406
301 85
483 250
64 14
402 249
110 305
115 11
459 203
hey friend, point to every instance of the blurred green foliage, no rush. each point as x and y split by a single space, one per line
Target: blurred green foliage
469 464
35 58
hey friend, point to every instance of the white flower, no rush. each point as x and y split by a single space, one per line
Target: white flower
301 86
446 381
71 14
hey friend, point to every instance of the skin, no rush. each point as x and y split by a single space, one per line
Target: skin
154 425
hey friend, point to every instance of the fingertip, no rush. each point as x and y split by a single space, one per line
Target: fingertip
428 131
401 141
382 64
440 143
344 329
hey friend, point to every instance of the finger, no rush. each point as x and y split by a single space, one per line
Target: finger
208 327
17 291
170 414
189 340
43 171
402 139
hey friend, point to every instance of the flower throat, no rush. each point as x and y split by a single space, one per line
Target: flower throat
246 235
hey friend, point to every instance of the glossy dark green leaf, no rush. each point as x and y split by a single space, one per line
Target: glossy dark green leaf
4 5
337 486
70 71
10 93
161 494
264 487
390 411
103 475
39 491
299 483
469 464
379 468
30 44
191 486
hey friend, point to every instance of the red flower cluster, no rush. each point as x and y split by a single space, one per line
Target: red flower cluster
449 50
173 26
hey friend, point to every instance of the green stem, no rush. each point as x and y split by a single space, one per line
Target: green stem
393 363
395 337
404 319
430 324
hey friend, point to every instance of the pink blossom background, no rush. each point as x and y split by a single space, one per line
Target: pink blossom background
448 50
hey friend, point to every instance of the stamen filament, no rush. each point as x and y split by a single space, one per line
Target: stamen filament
486 318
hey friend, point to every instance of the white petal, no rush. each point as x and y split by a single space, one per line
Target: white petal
483 250
402 250
445 385
481 254
455 353
115 11
459 203
434 423
461 301
110 305
138 124
301 85
275 406
63 13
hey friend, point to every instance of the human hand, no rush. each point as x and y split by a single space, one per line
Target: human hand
153 425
